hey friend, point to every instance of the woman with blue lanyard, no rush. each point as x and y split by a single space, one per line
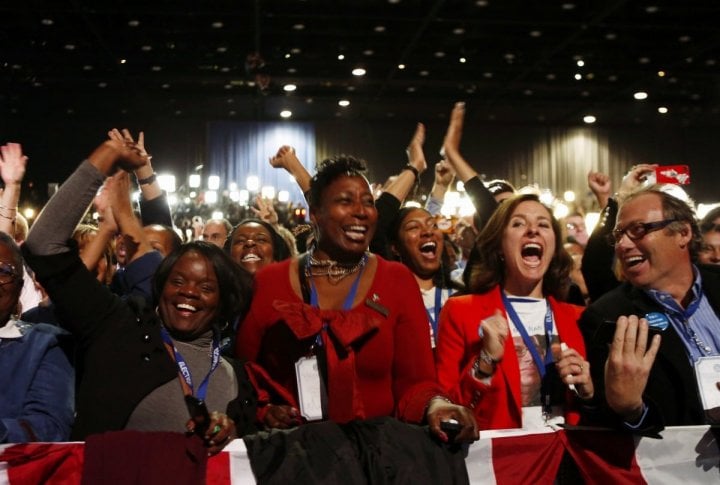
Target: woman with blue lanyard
145 367
511 349
343 329
418 243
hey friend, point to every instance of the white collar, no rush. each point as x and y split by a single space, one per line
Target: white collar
10 330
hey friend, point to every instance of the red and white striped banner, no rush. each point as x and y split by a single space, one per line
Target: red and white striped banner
688 455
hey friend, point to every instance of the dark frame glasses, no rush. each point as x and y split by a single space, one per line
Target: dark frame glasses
637 230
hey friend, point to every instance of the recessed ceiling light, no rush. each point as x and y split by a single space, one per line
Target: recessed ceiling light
463 60
640 95
146 48
222 48
710 62
37 84
439 54
611 36
289 88
644 60
612 78
401 66
228 86
341 57
368 52
69 47
288 55
590 75
567 6
47 21
393 1
123 61
165 86
411 89
528 92
458 31
351 88
424 73
589 119
102 85
684 38
482 3
156 68
585 94
580 63
358 71
232 112
286 113
578 76
487 75
535 33
651 8
217 25
295 50
87 67
225 69
379 28
661 73
298 26
178 112
291 70
550 76
344 103
662 110
133 23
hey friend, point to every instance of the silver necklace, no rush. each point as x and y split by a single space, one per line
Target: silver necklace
334 270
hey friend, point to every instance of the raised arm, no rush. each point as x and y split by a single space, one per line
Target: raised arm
444 175
404 182
12 171
287 159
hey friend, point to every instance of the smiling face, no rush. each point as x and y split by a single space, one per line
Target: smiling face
528 246
252 246
215 232
660 260
710 251
420 243
346 218
190 299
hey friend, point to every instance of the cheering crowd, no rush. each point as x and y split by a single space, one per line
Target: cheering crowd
509 319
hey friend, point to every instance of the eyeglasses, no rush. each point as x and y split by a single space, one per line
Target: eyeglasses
637 230
8 273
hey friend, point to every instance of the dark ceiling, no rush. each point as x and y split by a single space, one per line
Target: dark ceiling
516 61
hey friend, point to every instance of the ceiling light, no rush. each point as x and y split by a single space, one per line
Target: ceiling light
341 57
611 36
550 76
411 89
651 9
463 60
146 48
379 28
295 50
298 27
344 103
401 66
487 75
156 68
424 73
535 33
644 60
222 48
528 92
87 67
217 25
69 47
568 6
482 3
578 76
458 31
640 95
393 1
684 38
358 71
102 85
133 23
291 70
47 21
662 110
165 86
589 119
661 73
287 56
289 88
439 54
123 61
580 63
286 113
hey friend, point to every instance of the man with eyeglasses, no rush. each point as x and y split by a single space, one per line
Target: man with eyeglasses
653 343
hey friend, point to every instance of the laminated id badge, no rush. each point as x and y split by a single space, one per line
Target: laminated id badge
707 373
309 387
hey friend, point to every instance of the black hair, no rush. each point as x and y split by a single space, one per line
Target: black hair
175 239
331 169
234 282
281 250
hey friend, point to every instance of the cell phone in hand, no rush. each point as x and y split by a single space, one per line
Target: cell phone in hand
199 413
451 428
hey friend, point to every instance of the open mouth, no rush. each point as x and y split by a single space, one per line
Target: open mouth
531 252
186 308
355 232
631 261
250 258
428 249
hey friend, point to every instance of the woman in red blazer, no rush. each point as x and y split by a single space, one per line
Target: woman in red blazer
510 349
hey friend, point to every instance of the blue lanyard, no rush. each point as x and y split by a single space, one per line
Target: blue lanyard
532 348
347 304
434 318
183 369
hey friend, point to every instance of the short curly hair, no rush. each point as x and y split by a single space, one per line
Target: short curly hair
331 169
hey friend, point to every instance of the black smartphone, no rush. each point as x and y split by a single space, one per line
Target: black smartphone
199 413
451 428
